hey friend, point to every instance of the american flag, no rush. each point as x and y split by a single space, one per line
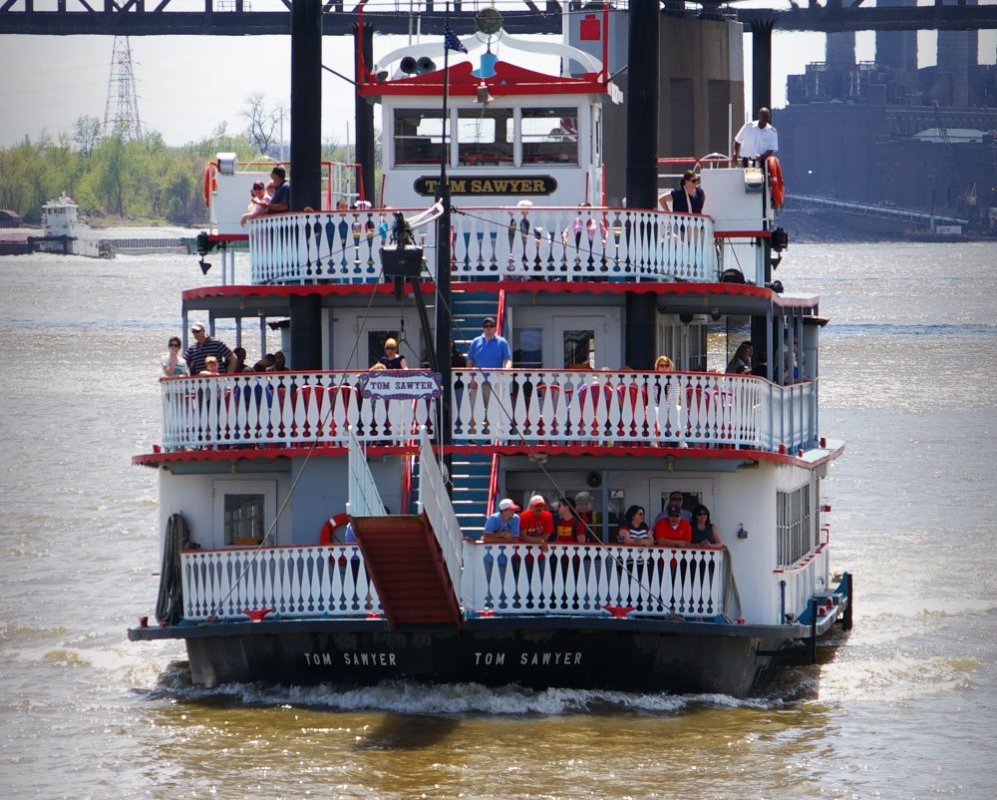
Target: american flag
450 40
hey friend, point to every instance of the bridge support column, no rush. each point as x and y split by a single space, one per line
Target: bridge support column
761 66
364 113
306 105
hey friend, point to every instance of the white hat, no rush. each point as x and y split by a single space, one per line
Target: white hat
507 504
538 500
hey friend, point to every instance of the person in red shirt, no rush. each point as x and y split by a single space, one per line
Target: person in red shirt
569 529
672 530
536 524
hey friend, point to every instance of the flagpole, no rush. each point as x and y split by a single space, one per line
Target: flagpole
443 321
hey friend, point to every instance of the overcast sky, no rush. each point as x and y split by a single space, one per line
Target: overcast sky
187 86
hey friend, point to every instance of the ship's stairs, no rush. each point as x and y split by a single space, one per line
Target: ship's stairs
471 474
406 564
469 310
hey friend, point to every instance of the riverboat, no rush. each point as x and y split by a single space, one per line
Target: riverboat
281 561
66 232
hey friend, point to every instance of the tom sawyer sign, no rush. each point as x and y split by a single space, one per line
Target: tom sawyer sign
409 384
489 184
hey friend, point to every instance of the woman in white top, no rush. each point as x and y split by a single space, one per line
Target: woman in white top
171 363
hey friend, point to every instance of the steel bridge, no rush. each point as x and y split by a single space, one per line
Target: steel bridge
239 18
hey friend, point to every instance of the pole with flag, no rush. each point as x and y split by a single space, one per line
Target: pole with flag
443 321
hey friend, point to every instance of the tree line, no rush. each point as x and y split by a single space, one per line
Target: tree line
120 178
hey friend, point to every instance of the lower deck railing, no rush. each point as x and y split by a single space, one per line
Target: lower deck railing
800 581
320 581
512 579
312 581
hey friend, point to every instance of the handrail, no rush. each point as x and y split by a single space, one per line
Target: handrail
364 498
435 503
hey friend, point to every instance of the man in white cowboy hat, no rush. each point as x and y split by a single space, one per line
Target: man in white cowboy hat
503 525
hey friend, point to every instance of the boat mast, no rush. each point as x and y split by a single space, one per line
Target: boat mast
443 321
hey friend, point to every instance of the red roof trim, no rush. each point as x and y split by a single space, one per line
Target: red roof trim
508 80
512 287
727 453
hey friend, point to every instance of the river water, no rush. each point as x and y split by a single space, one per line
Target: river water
904 708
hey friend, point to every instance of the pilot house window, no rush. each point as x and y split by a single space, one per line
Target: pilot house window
550 135
485 137
418 136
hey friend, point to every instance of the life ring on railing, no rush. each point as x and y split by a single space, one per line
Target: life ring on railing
775 181
210 182
329 529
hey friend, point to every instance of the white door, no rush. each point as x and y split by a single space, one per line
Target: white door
694 491
586 341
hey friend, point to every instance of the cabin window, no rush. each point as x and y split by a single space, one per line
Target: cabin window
244 510
528 347
418 136
794 525
485 137
579 349
550 135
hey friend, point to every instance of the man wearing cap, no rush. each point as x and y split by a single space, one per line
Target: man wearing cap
536 524
205 346
672 530
503 525
489 350
675 498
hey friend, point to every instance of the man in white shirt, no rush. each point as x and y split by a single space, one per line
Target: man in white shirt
756 140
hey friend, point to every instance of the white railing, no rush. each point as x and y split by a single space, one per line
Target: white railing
607 408
513 579
283 408
572 244
311 581
543 243
799 582
365 500
435 501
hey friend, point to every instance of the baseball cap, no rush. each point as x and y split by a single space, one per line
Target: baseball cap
197 326
507 504
537 500
674 511
488 321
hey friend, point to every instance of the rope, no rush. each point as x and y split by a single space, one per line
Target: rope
169 602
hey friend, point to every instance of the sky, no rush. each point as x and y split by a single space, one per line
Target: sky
188 86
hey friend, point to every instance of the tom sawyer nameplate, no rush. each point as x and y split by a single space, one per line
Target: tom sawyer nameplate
489 184
409 384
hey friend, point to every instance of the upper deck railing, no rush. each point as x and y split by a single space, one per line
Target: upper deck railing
542 243
527 407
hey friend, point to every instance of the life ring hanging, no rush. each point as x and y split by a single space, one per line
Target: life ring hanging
775 182
210 182
329 529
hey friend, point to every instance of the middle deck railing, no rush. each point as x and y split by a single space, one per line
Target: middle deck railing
526 407
539 243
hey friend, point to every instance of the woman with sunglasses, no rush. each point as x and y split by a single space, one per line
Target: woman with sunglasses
688 198
704 532
171 362
391 359
633 530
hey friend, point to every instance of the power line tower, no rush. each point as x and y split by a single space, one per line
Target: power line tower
121 108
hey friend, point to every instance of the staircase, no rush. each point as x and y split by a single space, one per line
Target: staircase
405 562
469 309
471 475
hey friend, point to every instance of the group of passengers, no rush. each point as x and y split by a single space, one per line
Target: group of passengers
675 526
209 356
271 198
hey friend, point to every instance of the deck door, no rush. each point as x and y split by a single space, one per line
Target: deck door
696 490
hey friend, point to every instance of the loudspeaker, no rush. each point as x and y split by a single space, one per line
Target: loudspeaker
407 65
424 65
594 480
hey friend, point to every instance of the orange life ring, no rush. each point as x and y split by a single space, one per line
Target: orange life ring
331 524
210 182
775 182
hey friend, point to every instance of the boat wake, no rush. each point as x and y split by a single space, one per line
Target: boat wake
460 699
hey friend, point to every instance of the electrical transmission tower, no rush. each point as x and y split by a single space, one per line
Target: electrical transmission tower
121 108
